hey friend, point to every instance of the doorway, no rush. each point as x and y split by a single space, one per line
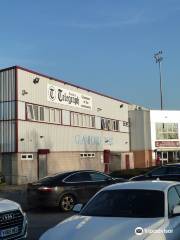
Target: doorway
169 156
163 156
42 163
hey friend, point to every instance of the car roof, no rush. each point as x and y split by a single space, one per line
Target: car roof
173 164
71 172
143 185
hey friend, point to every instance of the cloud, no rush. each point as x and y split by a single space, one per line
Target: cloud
110 22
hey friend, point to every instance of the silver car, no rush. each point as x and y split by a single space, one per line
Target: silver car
13 221
148 210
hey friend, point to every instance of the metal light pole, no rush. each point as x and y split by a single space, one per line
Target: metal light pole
158 57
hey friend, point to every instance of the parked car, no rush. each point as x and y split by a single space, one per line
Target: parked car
66 189
170 172
13 221
134 210
2 178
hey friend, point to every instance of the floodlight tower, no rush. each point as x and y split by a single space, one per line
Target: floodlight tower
158 57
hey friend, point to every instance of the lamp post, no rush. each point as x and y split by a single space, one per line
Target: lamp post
158 57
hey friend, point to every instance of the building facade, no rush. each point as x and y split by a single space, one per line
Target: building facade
48 125
155 137
165 135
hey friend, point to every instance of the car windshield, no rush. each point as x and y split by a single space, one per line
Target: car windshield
126 203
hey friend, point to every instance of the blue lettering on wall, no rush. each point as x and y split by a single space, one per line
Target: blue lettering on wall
92 140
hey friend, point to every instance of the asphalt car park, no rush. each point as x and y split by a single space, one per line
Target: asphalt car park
40 220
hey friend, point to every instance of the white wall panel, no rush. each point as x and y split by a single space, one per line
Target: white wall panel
37 94
140 130
65 138
21 111
7 85
7 136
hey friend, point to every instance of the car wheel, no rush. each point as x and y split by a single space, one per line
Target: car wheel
67 202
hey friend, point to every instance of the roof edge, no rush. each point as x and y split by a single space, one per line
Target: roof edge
62 81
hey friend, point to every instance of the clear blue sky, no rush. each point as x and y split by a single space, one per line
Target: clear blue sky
104 45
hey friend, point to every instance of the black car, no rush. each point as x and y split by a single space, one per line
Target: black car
66 189
170 172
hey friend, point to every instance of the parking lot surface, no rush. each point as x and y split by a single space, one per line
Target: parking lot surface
40 220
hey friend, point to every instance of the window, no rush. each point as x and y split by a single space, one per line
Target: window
166 131
52 115
89 155
76 119
98 176
65 117
78 177
173 170
103 124
58 116
36 113
26 156
82 120
41 113
126 203
30 114
173 199
178 189
116 125
109 124
159 171
23 156
92 121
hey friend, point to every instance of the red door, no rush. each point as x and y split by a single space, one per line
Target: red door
127 161
107 156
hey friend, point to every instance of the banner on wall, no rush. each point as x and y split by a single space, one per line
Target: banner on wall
67 97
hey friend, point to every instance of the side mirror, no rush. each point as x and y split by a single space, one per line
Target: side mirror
77 208
176 210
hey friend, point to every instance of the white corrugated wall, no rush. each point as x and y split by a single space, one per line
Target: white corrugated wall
7 110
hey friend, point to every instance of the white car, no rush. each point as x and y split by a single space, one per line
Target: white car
13 221
148 210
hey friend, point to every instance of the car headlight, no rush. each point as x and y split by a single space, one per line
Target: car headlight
20 208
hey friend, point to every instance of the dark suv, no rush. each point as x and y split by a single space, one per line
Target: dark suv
170 172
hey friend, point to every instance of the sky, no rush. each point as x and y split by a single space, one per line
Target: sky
104 45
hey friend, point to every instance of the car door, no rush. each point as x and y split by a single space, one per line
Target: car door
173 173
173 200
98 181
78 184
158 173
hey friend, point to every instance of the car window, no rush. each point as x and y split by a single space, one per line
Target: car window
126 203
178 189
159 171
173 199
173 170
98 176
78 177
49 180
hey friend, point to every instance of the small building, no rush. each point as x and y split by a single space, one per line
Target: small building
48 125
155 137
